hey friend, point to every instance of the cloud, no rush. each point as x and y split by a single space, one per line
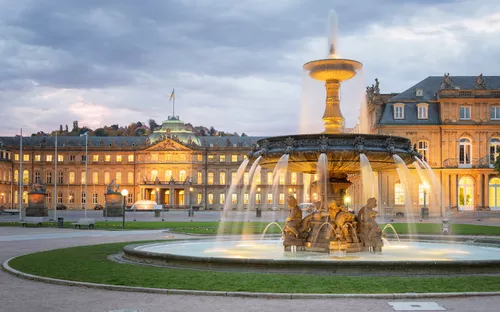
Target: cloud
236 65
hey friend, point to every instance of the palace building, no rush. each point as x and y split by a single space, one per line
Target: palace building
453 121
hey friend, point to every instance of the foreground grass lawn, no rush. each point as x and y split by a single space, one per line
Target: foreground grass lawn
89 264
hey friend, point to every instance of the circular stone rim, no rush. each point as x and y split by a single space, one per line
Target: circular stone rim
377 268
333 61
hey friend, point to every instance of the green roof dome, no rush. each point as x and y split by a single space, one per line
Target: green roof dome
173 127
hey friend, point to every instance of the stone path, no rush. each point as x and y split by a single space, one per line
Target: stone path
18 294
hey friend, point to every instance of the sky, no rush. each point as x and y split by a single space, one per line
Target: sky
235 64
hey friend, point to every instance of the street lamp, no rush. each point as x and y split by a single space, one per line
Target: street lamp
86 134
425 210
347 200
124 194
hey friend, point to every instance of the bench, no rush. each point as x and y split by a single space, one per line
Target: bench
88 222
31 220
9 211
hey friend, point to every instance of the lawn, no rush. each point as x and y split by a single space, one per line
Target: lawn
90 264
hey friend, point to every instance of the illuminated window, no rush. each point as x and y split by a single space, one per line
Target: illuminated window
48 177
257 176
315 177
130 177
269 178
130 158
60 158
245 199
233 177
71 198
210 158
494 199
234 198
270 199
71 177
16 175
107 158
118 158
293 178
26 177
168 175
210 178
222 198
494 150
106 178
182 175
210 198
234 158
25 197
199 157
154 157
421 188
222 158
16 197
200 177
118 179
246 178
48 158
282 199
282 178
38 157
16 156
399 194
26 157
95 158
199 198
423 149
95 177
83 177
466 193
154 175
464 152
257 198
222 178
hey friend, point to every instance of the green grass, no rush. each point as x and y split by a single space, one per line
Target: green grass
89 264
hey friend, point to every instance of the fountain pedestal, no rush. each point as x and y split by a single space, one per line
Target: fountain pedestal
37 202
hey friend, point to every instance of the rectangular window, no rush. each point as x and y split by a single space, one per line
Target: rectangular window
257 198
26 157
210 198
130 178
72 157
118 158
71 198
422 112
16 156
106 178
245 199
222 158
95 199
61 177
423 188
48 177
222 178
270 199
234 198
399 194
60 158
257 177
465 112
246 178
154 157
95 158
293 178
234 158
95 177
233 177
38 157
495 113
199 157
282 199
59 198
269 178
210 178
399 112
48 199
200 177
199 198
107 158
130 158
84 158
423 149
130 198
282 178
84 177
71 177
84 198
118 178
48 158
210 158
222 199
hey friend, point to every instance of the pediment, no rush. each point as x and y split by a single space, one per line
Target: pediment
168 145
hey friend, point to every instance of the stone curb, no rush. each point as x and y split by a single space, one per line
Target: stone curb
264 295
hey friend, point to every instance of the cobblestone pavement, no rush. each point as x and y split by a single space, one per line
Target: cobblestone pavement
17 294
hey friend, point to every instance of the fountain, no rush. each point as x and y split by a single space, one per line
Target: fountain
330 239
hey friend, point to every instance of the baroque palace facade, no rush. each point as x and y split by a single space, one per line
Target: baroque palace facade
454 121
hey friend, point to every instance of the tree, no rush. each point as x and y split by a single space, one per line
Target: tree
152 124
67 131
244 134
100 132
60 128
212 131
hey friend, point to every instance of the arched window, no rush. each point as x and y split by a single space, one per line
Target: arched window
423 149
222 198
494 199
222 178
210 198
181 197
71 177
269 178
168 175
26 177
210 178
182 175
200 177
494 150
246 178
16 175
423 189
234 198
466 193
167 197
245 198
465 152
154 174
399 194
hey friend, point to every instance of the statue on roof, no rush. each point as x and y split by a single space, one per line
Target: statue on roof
113 187
447 82
372 92
480 83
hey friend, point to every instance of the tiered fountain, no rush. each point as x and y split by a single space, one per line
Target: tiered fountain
321 241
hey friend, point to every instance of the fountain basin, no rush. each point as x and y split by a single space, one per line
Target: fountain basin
342 150
332 69
429 258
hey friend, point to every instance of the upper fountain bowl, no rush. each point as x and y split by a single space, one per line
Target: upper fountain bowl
343 151
333 69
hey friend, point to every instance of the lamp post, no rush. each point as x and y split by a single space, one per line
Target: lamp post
347 200
86 134
425 210
124 194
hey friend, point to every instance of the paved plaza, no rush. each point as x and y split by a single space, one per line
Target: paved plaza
19 294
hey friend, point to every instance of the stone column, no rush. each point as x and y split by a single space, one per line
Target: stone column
332 117
172 196
479 191
454 190
486 190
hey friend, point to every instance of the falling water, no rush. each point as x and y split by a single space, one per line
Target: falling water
369 182
390 226
322 171
254 172
307 188
279 170
405 180
265 229
232 189
435 185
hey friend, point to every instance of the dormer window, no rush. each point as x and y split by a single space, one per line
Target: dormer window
423 110
419 92
399 111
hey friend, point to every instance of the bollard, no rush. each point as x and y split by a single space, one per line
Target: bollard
445 226
258 213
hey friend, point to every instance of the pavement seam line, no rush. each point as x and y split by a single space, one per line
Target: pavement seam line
6 267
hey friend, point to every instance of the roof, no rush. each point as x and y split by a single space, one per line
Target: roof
410 115
432 84
234 141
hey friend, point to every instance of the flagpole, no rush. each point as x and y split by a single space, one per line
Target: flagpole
55 180
21 177
173 106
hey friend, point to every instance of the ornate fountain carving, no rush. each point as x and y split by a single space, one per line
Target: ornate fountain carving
289 143
390 146
359 146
